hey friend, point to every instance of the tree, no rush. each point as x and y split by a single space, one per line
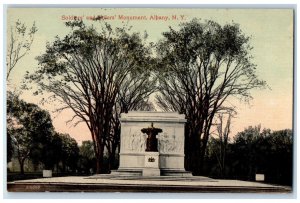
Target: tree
221 142
85 72
254 151
202 66
246 150
277 160
10 146
52 153
263 151
133 96
87 157
19 44
57 150
70 152
28 126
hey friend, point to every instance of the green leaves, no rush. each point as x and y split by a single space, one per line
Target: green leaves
264 151
200 67
87 71
32 135
28 127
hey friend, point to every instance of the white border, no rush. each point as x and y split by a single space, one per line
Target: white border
136 196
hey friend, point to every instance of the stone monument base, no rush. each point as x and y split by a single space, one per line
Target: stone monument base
151 172
175 172
127 172
151 167
139 172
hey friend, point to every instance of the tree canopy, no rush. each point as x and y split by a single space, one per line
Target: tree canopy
200 67
28 127
253 151
89 71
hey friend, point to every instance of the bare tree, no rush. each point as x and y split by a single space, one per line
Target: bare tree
222 141
20 39
201 66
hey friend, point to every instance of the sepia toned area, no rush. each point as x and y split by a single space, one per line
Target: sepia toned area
140 99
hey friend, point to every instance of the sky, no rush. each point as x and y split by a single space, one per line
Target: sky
271 32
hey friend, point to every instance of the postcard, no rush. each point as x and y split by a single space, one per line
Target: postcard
149 99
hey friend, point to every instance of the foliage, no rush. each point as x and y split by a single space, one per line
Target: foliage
255 151
87 157
10 146
19 43
51 153
86 71
277 160
28 126
70 152
200 67
59 150
32 136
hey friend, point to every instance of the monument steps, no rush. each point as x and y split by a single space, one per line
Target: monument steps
151 178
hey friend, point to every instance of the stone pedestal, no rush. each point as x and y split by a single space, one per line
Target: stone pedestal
47 173
151 167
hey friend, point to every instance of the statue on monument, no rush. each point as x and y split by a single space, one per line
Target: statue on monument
151 145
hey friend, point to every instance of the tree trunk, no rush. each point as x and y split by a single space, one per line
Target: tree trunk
202 152
112 156
195 158
100 160
21 162
189 147
198 162
187 151
111 160
98 164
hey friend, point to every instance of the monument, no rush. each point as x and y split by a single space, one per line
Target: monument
152 151
151 166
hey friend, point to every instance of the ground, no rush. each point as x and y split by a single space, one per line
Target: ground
111 183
